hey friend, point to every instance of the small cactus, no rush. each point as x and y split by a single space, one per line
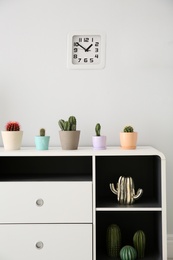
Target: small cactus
128 129
69 125
97 129
12 126
113 240
42 132
139 242
128 253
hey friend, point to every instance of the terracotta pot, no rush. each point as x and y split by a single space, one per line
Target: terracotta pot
128 141
99 142
69 139
12 140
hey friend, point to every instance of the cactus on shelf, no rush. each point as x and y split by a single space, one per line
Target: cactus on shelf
139 242
69 125
125 190
97 129
113 240
42 132
128 253
12 126
128 129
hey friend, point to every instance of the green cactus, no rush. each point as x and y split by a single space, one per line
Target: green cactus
113 240
42 132
128 253
139 242
69 125
128 129
72 122
97 129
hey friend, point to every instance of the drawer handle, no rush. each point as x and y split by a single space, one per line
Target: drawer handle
39 245
39 202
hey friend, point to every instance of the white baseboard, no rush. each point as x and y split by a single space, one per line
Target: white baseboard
170 245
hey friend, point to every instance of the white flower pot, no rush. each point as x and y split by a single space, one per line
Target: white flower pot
12 140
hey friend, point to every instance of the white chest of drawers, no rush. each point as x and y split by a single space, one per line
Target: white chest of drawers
57 204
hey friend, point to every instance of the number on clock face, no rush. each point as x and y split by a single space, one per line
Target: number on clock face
86 49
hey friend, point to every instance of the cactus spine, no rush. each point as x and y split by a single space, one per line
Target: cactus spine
128 253
12 126
139 241
69 125
113 240
97 129
42 132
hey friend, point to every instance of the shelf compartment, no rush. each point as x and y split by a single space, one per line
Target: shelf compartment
46 168
129 223
146 174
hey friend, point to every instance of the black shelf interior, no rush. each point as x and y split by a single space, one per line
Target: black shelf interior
46 168
129 223
146 174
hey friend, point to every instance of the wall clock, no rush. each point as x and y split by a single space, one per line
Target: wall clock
86 50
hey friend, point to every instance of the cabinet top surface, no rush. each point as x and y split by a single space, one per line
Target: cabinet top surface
82 151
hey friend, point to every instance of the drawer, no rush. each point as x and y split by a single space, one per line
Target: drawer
45 241
45 202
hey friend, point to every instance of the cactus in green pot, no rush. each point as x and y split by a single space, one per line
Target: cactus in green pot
113 240
139 241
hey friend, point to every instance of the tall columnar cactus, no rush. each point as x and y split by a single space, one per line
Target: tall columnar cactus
69 125
72 122
128 253
139 242
128 129
125 190
113 240
42 132
12 126
97 129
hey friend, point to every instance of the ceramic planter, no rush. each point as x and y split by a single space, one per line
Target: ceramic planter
128 141
69 139
99 142
12 140
42 142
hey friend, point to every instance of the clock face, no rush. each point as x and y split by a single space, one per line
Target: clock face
86 50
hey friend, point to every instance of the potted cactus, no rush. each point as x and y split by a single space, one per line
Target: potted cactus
69 136
98 140
42 140
128 138
12 136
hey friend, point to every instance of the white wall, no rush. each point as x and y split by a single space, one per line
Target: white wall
135 87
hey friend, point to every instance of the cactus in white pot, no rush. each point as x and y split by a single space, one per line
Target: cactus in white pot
12 136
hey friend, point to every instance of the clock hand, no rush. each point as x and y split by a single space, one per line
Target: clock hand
81 46
87 49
